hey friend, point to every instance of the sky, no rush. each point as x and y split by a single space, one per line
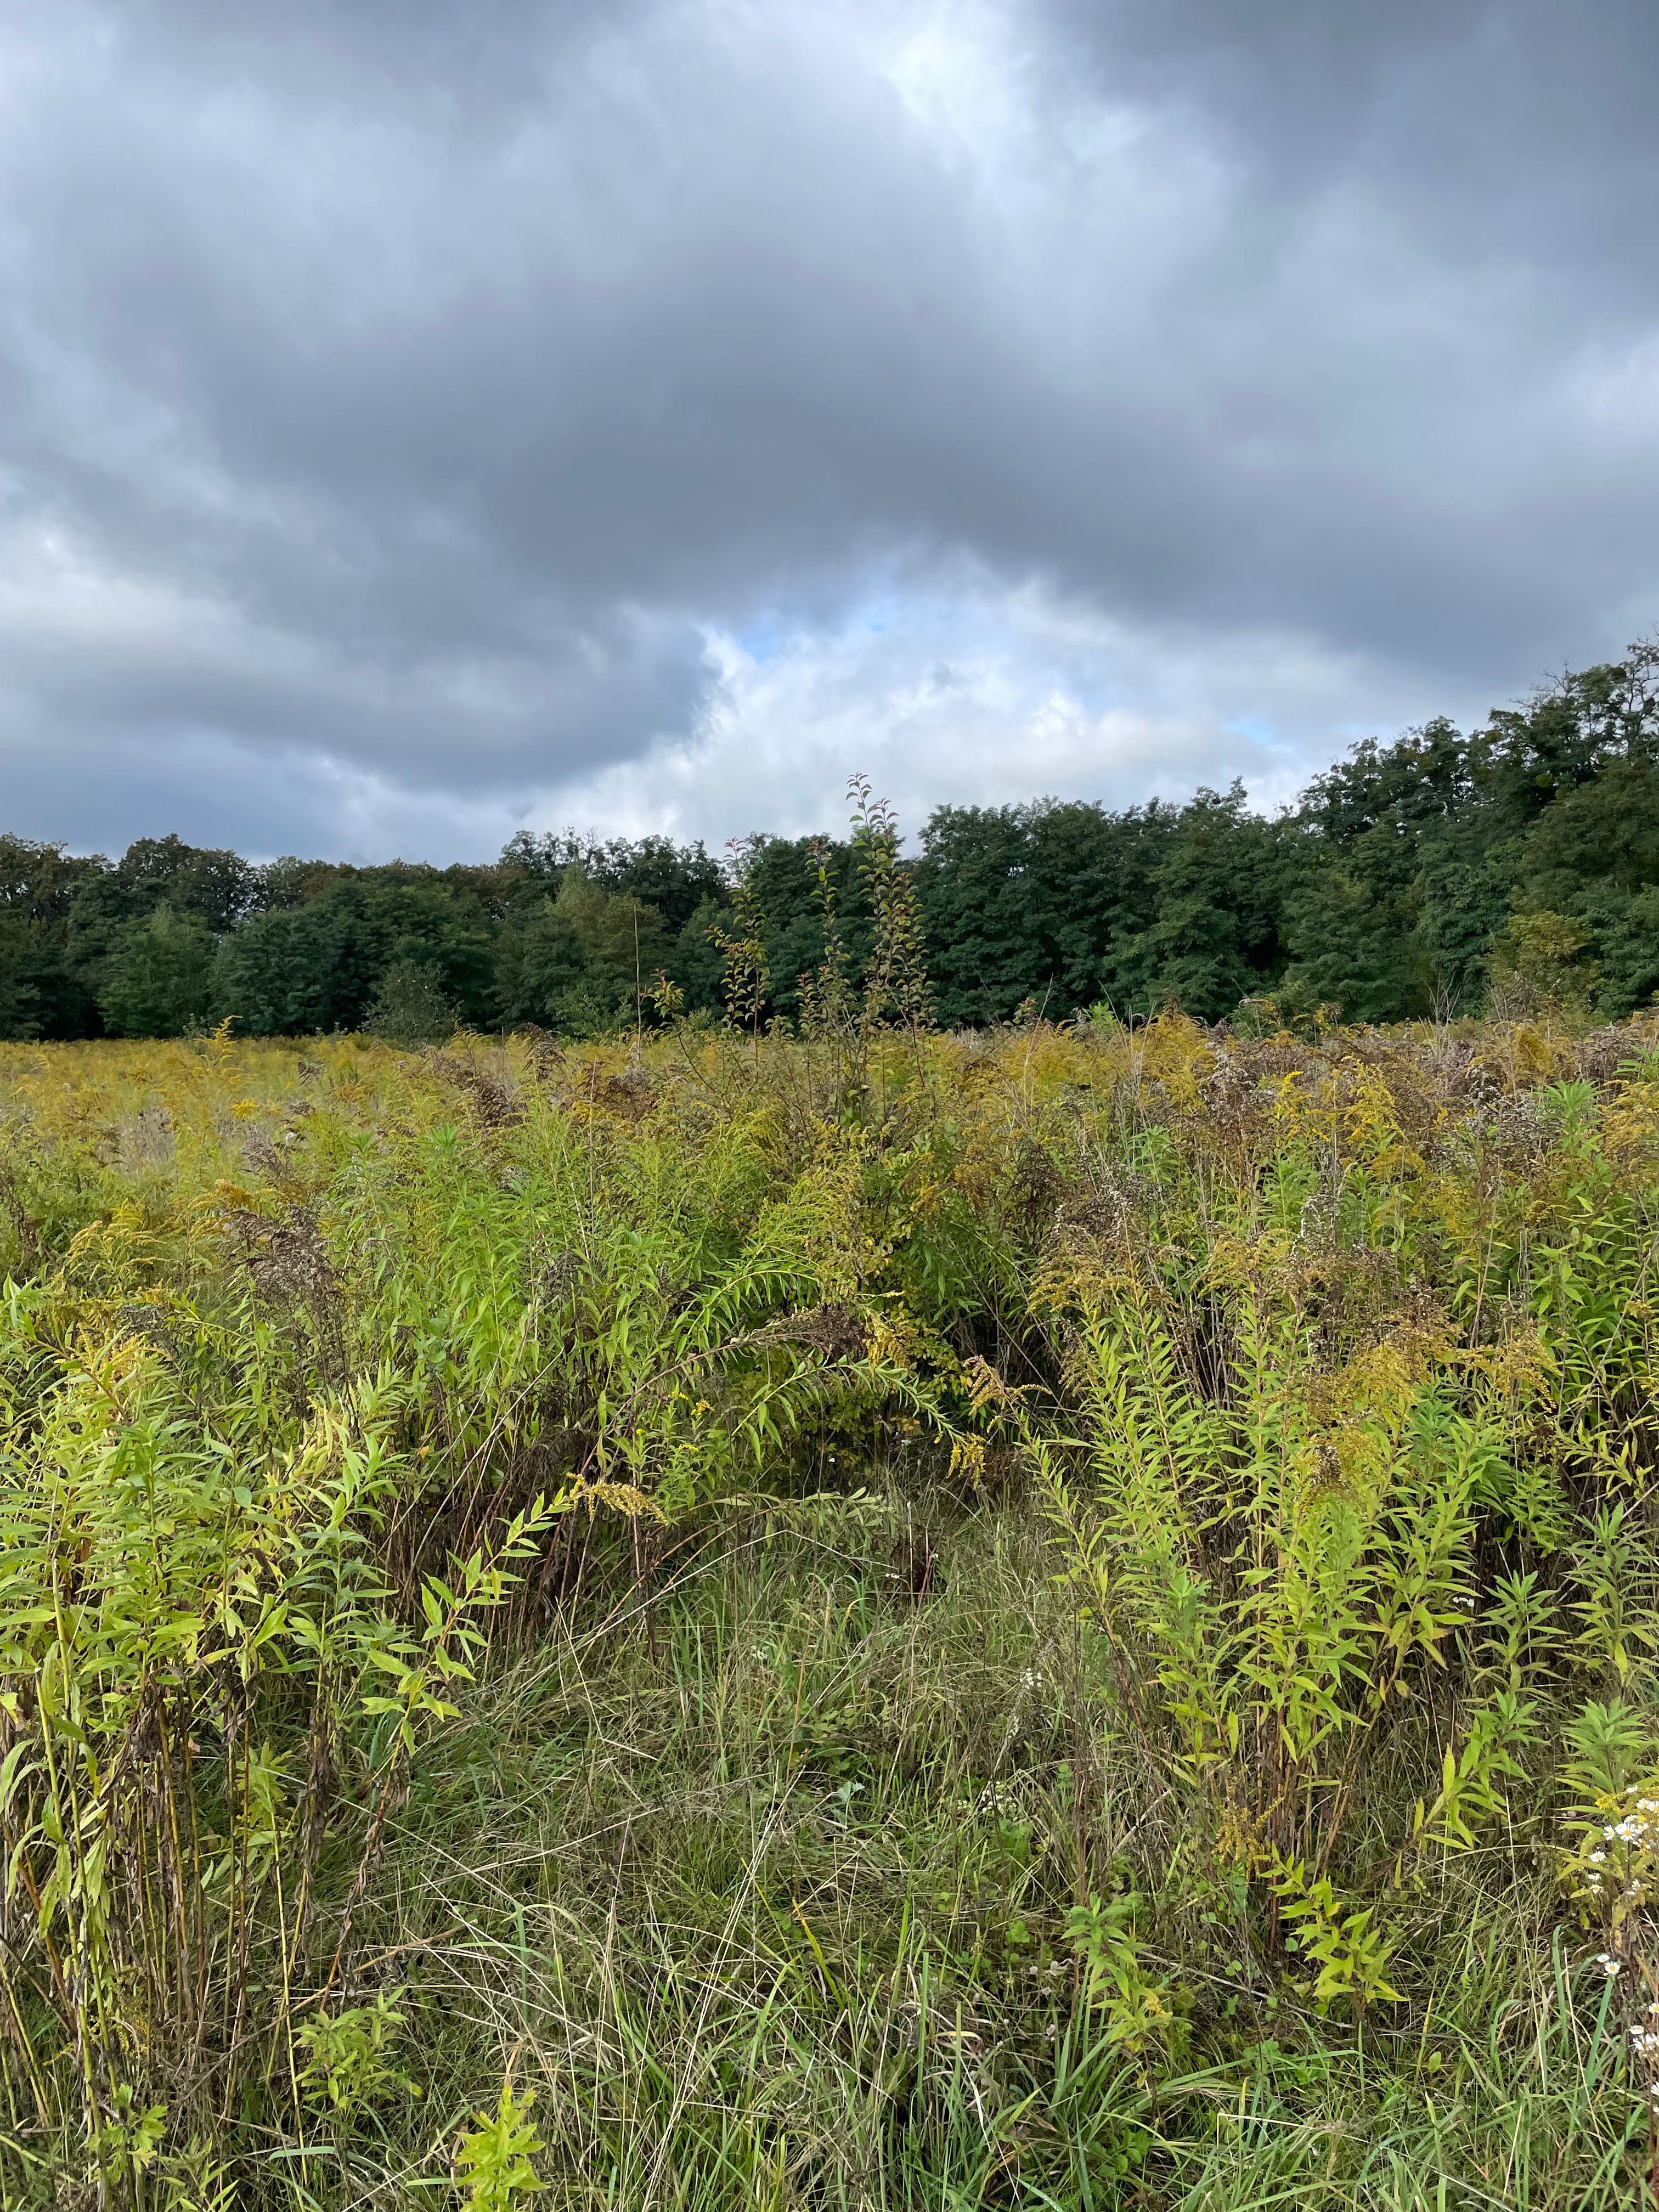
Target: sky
425 419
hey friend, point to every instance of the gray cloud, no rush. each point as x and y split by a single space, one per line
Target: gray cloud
1508 127
411 405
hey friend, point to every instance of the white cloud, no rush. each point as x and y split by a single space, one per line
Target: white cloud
973 695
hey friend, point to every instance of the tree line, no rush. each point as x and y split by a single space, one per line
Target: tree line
1440 874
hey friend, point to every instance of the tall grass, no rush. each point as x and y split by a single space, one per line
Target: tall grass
1059 1619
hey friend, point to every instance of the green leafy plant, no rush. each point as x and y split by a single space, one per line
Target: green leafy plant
746 972
1137 2007
494 2155
1350 1957
348 2057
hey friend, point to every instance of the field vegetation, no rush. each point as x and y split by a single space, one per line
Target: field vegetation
1061 1617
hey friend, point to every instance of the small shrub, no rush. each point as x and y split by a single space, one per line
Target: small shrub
410 1007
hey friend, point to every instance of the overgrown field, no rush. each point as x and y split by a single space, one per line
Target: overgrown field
1063 1618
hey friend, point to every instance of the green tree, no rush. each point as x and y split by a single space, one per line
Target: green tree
694 963
1540 958
781 879
210 881
1218 890
42 994
1626 943
578 962
272 974
674 880
158 980
1364 930
317 965
1038 901
1591 858
1465 879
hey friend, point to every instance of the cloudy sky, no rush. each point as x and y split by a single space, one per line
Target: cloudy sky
420 418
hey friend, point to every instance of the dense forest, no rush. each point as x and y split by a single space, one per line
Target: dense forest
1445 873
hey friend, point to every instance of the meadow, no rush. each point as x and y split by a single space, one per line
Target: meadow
1059 1618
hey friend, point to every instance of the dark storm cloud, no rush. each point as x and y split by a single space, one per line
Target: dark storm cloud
1521 128
401 395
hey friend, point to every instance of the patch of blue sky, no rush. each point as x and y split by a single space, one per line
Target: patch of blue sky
1256 732
762 640
885 611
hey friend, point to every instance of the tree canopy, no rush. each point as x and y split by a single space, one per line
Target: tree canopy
1411 879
